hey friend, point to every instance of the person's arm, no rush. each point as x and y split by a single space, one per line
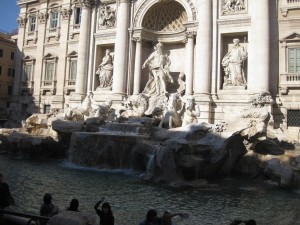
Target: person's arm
98 203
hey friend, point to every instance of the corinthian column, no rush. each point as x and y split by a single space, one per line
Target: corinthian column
120 60
259 46
83 47
137 67
203 50
189 65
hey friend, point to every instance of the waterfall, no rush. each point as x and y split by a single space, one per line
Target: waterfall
150 164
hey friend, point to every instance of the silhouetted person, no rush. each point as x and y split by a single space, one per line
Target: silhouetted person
105 213
151 218
74 204
167 217
48 209
246 222
5 197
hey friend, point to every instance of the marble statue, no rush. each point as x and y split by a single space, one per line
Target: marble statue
191 113
233 64
158 64
172 115
101 110
181 89
105 71
79 112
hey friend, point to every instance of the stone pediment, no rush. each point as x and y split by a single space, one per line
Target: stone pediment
28 58
73 54
291 37
49 56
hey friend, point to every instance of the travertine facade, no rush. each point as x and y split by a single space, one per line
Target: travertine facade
63 42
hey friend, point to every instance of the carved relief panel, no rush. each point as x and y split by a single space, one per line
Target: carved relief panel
230 7
107 16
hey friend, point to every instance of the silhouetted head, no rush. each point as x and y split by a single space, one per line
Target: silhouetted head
74 204
1 177
250 222
151 215
106 208
47 198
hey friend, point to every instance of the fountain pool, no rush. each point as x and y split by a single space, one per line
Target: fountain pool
130 199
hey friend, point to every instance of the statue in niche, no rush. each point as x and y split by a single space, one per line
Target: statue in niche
107 17
181 83
105 71
158 64
233 64
191 113
232 6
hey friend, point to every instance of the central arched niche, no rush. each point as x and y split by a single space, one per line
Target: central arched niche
165 17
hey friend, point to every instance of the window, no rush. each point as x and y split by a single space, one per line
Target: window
49 71
1 53
73 70
11 72
293 118
54 20
294 60
12 55
32 23
47 108
77 17
27 72
0 70
9 90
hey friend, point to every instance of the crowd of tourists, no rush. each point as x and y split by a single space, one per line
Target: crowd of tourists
48 210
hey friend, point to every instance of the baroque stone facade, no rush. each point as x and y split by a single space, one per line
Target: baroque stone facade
226 50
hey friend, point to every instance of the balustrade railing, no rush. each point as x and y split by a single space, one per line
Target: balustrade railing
289 80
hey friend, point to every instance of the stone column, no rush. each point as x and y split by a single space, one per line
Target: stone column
259 47
91 73
189 63
203 50
137 66
121 43
83 48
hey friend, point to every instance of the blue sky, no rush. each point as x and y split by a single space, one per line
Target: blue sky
9 12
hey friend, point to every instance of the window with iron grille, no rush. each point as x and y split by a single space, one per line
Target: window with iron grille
77 17
293 118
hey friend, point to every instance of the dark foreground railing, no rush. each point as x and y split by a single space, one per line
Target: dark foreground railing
16 218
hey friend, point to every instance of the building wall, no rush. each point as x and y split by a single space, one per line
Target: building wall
7 68
263 28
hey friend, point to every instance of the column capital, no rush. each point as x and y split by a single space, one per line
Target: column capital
137 39
89 3
22 20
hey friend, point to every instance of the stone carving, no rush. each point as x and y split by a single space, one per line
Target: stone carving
233 64
65 13
78 113
191 113
101 110
134 106
88 108
22 21
233 6
172 115
107 17
43 17
181 83
105 71
158 64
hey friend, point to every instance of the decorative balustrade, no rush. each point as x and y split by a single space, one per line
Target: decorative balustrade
70 87
48 86
289 80
288 5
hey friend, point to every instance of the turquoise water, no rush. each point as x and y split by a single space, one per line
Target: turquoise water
130 199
